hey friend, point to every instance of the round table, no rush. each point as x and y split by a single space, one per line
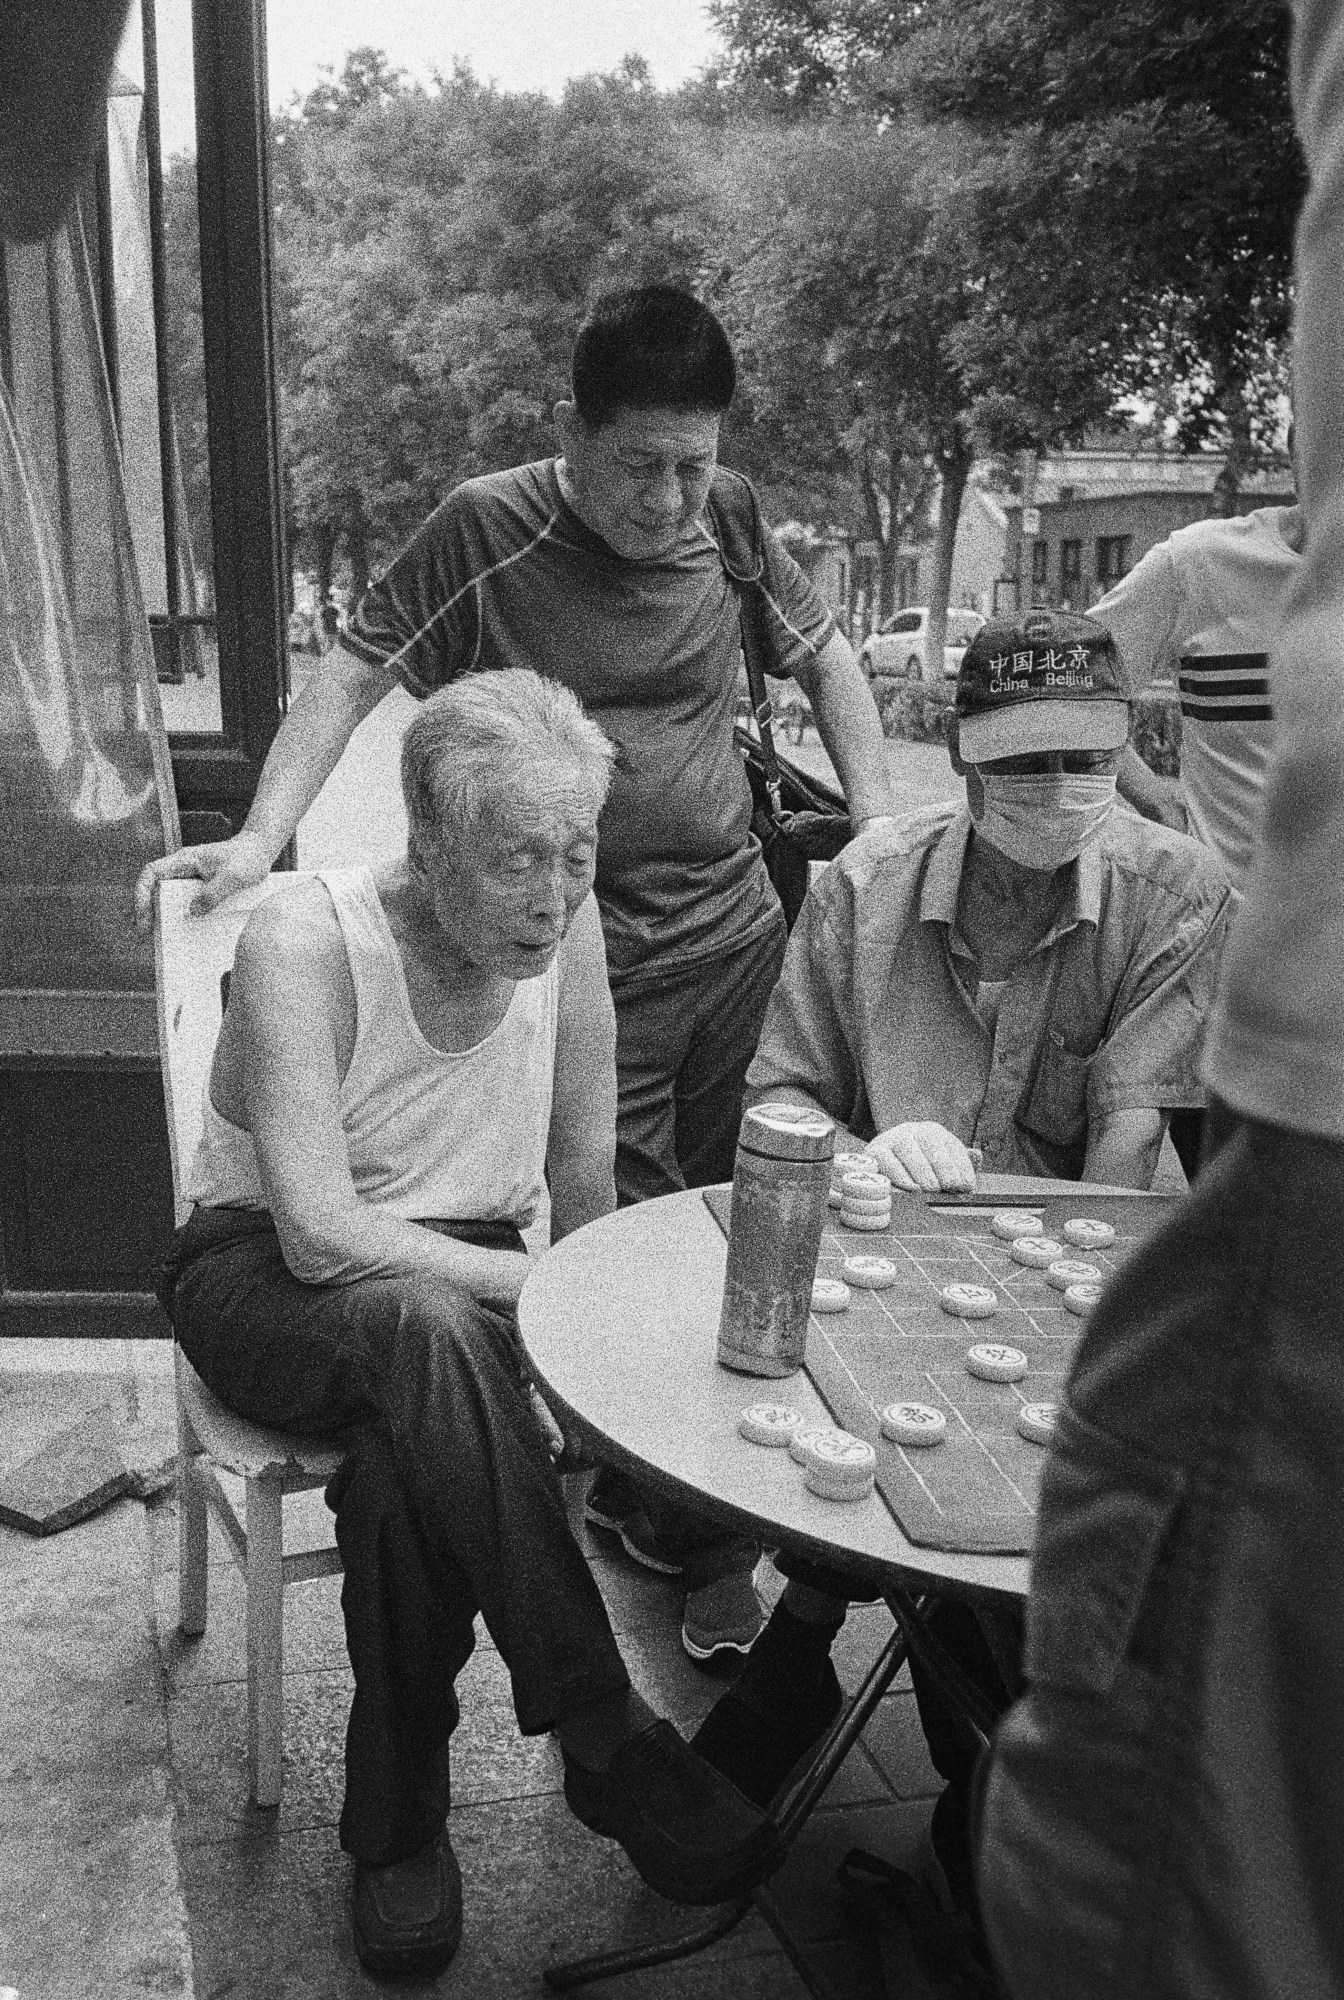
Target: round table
619 1321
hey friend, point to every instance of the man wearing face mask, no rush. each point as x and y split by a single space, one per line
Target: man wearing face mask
1028 975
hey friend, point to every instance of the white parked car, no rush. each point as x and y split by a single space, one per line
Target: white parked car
898 649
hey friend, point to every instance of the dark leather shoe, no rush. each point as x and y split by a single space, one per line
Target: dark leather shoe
691 1835
408 1915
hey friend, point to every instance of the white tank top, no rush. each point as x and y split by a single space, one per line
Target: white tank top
457 1137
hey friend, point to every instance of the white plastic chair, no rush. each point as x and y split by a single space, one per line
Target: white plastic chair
191 957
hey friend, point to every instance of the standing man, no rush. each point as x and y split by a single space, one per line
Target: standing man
618 569
1206 607
1164 1812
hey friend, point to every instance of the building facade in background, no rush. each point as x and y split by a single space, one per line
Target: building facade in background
1081 521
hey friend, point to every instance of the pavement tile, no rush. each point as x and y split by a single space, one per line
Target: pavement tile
89 1907
90 1911
668 1678
491 1762
270 1920
207 1729
896 1742
766 1976
846 1958
270 1916
34 1408
865 1632
805 1890
314 1631
82 1715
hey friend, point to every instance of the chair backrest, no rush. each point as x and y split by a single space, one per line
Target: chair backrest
192 955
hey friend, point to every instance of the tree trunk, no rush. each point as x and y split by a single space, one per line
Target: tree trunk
891 543
1230 390
357 549
880 533
954 465
324 554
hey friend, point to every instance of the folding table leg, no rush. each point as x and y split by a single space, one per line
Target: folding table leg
265 1629
789 1815
606 1965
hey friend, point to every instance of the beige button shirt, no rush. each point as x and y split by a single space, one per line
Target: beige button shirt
875 1014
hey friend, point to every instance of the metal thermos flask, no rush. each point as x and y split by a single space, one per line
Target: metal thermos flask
781 1178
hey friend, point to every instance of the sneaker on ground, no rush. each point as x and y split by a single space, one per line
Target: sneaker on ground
612 1505
722 1617
608 1501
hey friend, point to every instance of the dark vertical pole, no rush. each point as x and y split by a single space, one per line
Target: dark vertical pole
158 281
64 504
6 352
107 280
233 184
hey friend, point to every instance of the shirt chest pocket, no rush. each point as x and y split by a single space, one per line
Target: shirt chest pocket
1055 1100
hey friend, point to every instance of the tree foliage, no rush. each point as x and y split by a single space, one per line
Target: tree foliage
1159 131
937 229
436 251
887 323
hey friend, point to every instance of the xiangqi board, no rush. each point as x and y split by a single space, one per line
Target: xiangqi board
975 1490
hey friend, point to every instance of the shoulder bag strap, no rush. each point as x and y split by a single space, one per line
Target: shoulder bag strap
737 517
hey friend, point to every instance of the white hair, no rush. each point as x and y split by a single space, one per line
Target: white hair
495 752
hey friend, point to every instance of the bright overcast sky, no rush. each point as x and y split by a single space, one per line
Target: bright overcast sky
519 44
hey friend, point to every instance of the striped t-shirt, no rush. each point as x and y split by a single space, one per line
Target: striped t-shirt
505 574
1205 607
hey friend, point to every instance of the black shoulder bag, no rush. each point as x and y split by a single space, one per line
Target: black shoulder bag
796 818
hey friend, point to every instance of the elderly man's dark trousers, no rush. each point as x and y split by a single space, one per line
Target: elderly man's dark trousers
446 1503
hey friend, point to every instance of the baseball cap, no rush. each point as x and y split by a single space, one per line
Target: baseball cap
1047 681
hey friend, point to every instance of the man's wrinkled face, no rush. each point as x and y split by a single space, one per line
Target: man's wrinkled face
507 900
641 480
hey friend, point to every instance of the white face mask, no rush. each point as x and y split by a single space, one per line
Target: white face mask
1044 822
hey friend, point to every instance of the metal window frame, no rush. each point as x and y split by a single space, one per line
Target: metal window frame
217 773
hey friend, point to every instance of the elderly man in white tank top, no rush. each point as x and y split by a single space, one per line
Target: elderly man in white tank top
405 1052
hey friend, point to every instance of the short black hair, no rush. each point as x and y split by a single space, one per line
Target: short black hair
650 347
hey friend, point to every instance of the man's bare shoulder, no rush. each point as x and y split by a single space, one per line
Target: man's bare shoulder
295 934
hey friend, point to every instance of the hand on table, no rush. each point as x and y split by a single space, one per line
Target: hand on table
223 866
922 1156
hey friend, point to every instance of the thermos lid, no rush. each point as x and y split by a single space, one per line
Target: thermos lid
788 1132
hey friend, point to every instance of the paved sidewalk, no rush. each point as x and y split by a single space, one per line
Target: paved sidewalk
90 1900
132 1863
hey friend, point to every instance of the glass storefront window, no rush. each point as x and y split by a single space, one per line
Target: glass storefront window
85 793
152 308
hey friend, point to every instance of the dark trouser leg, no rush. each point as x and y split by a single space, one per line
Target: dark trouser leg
1187 1137
682 1050
453 1495
406 1647
1163 1808
953 1750
729 1010
654 1024
683 1045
